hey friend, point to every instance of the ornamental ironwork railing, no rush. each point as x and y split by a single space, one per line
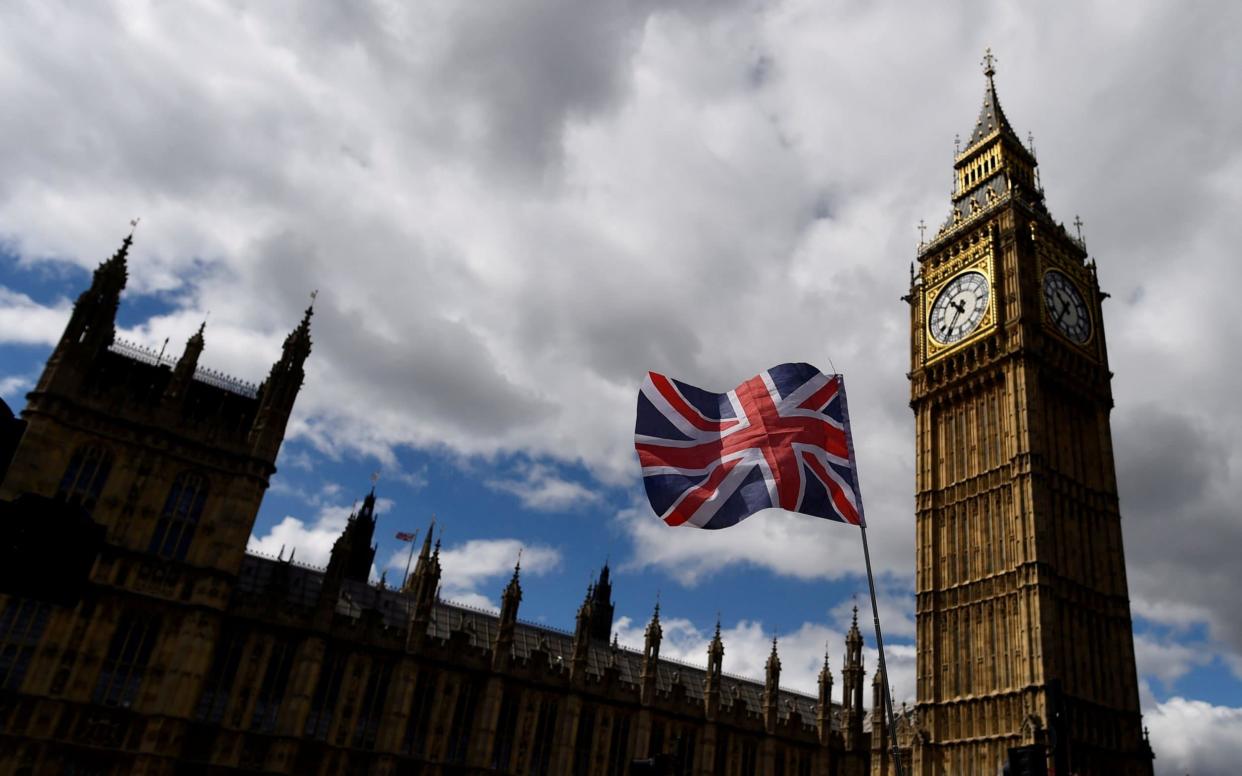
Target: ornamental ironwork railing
202 374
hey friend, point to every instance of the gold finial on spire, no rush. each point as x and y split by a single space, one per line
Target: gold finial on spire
989 63
922 227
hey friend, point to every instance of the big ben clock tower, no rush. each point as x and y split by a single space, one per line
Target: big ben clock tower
1024 632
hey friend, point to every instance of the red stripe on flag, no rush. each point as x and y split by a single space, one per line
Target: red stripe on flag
686 508
839 500
820 398
684 408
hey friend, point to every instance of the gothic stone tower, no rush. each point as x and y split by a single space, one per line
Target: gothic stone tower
1024 633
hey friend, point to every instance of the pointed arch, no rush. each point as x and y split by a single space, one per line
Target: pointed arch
179 518
84 477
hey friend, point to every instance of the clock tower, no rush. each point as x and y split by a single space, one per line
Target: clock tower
1024 632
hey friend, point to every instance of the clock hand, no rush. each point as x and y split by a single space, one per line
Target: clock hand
956 312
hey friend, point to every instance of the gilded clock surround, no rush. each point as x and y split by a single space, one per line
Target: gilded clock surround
1053 257
976 256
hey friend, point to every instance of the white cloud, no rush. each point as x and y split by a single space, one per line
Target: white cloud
1194 737
312 541
540 488
784 543
13 385
1167 660
24 321
469 566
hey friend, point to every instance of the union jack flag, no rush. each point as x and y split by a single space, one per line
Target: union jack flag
780 439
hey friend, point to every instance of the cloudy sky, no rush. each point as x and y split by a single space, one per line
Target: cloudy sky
513 210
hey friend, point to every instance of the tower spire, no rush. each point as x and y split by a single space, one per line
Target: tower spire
280 389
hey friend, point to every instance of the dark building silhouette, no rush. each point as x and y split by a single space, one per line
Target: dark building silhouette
138 636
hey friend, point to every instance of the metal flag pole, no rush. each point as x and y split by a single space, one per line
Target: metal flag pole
879 641
875 609
405 580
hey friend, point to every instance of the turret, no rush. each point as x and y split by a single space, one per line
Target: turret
852 685
422 585
715 670
771 690
502 649
601 610
92 325
582 638
351 559
823 710
651 657
183 373
352 552
280 389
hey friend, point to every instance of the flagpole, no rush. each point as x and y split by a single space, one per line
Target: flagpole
879 641
405 579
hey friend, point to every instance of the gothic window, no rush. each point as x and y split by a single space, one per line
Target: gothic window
85 476
506 727
655 744
367 726
219 684
126 661
619 746
21 627
272 689
722 753
750 756
545 729
327 690
420 714
463 718
180 515
684 751
584 741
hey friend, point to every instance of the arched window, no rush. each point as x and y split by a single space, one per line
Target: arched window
182 509
85 476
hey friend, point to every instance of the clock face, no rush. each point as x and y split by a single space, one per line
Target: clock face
1065 306
959 308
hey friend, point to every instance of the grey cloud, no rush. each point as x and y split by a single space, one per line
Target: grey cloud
1179 505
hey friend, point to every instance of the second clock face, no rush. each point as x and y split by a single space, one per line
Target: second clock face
1065 306
959 307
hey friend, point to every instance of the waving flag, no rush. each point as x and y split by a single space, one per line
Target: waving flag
780 439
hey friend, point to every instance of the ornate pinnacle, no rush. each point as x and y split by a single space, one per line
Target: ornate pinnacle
989 63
